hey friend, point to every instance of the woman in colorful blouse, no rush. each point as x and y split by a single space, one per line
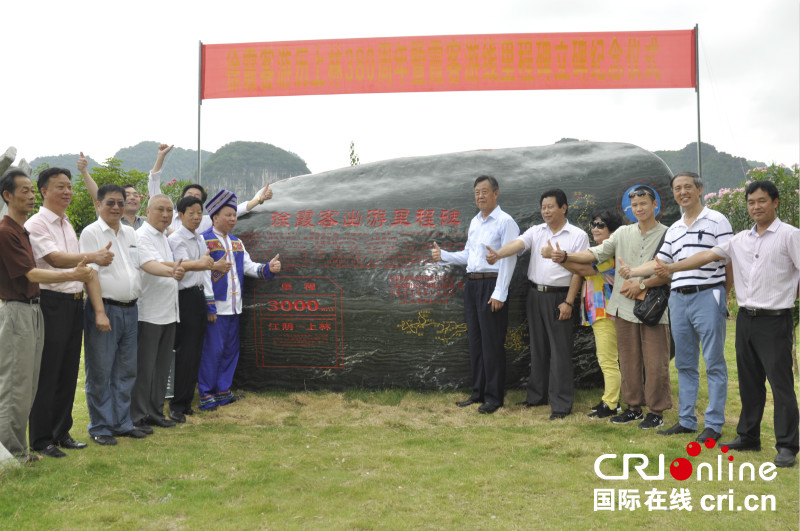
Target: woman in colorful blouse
596 294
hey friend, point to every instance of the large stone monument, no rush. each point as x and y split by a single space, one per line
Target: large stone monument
359 302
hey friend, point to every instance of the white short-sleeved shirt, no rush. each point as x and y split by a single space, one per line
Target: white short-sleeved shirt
158 303
544 271
188 246
120 279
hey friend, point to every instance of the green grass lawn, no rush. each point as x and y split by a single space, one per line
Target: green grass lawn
391 459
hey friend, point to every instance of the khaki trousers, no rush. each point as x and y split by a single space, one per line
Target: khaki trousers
644 364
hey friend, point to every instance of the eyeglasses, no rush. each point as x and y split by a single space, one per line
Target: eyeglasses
597 224
110 203
640 193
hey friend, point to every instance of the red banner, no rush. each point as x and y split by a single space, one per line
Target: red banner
531 61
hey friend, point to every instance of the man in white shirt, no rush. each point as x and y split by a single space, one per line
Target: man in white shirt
223 293
110 354
158 315
551 300
766 275
485 295
188 245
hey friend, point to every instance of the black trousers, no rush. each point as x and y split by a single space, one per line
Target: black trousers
551 352
51 414
764 352
188 346
486 331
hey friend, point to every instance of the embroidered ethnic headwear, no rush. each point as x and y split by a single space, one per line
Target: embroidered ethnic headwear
222 199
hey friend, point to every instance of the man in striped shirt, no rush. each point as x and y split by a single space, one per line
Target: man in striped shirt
766 274
697 306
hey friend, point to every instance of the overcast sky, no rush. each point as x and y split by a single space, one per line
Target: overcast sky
99 76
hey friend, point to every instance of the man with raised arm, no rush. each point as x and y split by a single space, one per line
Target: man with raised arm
697 307
21 320
55 247
766 275
551 299
154 188
485 295
643 350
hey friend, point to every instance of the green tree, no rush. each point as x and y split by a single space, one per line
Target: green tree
353 156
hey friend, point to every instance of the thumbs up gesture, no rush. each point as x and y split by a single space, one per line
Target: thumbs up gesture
547 250
624 269
662 269
559 256
491 256
436 253
82 272
221 265
178 270
163 149
205 261
275 264
83 164
104 256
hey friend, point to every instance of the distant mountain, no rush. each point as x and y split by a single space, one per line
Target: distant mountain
244 167
720 170
180 164
68 161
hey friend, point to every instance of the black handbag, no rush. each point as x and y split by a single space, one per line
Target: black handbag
650 309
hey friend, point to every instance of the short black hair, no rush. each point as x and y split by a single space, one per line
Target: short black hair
107 189
195 185
558 194
767 186
188 201
126 186
44 177
8 183
612 220
492 182
698 182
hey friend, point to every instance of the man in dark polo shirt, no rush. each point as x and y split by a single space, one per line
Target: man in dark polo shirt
21 321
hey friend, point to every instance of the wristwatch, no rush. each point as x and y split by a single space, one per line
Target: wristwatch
641 284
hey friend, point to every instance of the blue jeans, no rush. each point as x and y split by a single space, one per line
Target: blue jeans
700 318
110 363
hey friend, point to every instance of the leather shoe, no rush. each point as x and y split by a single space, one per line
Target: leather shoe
708 433
104 440
488 409
785 457
188 411
469 402
676 430
71 444
133 434
52 451
739 444
542 402
557 416
177 416
160 422
142 427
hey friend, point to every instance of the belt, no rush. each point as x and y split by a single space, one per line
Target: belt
59 295
686 290
756 312
548 289
124 304
200 288
478 276
34 300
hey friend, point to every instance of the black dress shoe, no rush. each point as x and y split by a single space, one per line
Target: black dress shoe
104 440
741 445
177 416
677 429
708 433
785 457
188 411
488 409
52 451
160 422
142 427
542 402
133 434
71 444
557 415
469 402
